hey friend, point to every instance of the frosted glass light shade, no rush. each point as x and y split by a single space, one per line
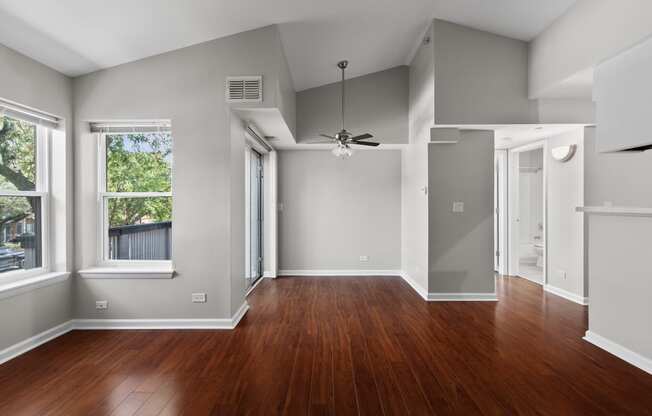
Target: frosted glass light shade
563 153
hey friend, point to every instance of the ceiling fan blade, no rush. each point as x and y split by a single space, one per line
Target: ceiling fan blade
361 137
327 136
374 144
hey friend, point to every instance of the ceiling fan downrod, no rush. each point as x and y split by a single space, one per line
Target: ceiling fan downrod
342 65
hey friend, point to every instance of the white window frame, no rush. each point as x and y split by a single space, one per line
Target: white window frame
42 185
103 213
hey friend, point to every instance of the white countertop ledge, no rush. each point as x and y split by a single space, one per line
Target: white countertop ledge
127 273
617 211
17 287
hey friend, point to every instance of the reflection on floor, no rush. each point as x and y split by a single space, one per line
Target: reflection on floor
531 272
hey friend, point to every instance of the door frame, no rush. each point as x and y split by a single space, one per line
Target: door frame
513 210
501 189
249 152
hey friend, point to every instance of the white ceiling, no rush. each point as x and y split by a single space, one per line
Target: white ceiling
81 36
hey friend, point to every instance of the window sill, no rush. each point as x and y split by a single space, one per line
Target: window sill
31 283
127 273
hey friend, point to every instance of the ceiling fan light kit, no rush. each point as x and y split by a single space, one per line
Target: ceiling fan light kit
343 151
344 139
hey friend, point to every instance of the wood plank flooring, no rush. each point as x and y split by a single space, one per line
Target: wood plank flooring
346 346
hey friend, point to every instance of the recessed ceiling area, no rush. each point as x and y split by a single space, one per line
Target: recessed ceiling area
519 134
87 35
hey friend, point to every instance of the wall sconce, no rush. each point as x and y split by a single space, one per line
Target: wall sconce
563 153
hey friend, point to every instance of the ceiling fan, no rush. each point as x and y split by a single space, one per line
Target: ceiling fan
344 139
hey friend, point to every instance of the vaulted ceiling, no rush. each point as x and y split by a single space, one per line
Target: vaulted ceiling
81 36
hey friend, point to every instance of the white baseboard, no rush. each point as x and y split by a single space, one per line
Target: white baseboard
529 279
417 287
619 351
251 289
448 297
339 273
270 274
83 324
462 297
162 323
33 342
566 294
240 313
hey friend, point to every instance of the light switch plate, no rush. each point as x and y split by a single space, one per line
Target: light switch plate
101 304
458 206
199 298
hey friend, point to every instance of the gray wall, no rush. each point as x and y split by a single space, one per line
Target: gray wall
335 210
30 83
414 201
480 78
559 111
375 103
461 244
237 213
186 86
623 179
565 227
588 33
618 247
286 99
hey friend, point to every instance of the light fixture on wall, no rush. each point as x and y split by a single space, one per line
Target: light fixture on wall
563 153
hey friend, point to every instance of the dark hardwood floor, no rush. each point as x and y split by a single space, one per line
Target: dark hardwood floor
367 346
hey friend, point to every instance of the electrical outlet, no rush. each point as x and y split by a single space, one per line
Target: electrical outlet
458 206
364 259
199 298
101 304
561 274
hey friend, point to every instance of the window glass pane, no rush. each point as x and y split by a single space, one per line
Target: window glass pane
20 233
140 228
139 162
17 155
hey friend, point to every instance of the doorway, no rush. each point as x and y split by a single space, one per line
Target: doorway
527 201
255 217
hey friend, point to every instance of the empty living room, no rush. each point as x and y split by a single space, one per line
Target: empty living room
360 207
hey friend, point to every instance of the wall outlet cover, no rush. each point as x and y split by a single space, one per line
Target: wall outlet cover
458 206
199 298
101 304
364 259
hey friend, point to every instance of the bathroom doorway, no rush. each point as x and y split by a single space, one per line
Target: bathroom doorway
527 200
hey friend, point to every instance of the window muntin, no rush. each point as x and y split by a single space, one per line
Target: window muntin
23 196
136 197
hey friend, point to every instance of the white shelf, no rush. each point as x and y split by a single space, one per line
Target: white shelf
617 211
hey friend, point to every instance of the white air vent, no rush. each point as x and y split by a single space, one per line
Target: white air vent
246 89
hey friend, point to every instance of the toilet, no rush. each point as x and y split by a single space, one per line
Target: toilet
538 249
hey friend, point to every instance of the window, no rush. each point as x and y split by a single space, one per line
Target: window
136 196
23 196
